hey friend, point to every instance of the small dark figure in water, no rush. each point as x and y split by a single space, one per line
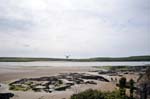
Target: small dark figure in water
111 79
6 95
67 56
116 79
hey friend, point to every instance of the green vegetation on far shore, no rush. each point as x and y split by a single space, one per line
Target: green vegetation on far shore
101 59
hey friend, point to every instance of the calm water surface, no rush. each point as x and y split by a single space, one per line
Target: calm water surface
61 63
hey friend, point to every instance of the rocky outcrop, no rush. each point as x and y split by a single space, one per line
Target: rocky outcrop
6 95
58 83
143 86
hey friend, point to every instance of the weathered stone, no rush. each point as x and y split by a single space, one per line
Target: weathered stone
6 95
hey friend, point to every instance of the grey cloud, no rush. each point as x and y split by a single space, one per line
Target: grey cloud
14 25
82 28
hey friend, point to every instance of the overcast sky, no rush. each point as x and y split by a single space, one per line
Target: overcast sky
80 28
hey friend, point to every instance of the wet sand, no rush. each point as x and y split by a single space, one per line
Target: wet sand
12 73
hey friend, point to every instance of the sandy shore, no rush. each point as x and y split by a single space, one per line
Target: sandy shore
12 73
9 74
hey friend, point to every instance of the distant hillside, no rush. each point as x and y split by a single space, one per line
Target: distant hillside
109 59
26 59
131 58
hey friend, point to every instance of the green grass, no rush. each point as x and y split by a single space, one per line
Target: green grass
95 94
18 88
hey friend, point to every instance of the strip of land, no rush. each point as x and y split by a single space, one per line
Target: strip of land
107 59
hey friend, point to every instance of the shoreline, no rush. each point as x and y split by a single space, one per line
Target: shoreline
10 74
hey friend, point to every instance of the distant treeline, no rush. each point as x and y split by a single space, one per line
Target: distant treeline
102 59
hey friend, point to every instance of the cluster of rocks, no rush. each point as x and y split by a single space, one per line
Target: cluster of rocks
121 70
55 83
6 95
109 72
143 86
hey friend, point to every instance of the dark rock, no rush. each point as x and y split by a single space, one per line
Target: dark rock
95 77
6 95
90 82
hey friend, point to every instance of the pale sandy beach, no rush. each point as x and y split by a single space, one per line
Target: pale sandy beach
9 74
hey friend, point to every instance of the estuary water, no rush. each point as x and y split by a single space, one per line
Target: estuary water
66 63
